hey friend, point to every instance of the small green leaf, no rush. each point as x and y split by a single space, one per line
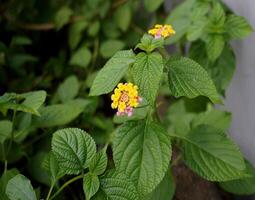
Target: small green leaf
81 57
90 185
110 47
68 89
152 5
218 15
138 145
19 187
110 75
51 165
62 16
78 147
243 186
5 130
117 185
75 33
99 163
94 28
214 46
122 16
147 72
238 27
31 101
149 43
211 154
188 78
216 118
20 40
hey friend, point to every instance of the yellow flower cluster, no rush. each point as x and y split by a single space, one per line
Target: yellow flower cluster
125 98
164 31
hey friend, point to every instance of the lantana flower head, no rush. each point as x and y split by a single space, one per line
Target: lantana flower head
159 31
125 99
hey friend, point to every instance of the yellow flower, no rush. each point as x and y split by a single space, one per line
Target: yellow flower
159 31
125 98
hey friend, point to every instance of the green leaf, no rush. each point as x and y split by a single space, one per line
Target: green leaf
62 16
147 72
20 41
68 89
216 118
152 5
99 163
187 78
81 57
214 46
149 43
50 164
196 30
74 149
122 16
19 187
23 126
60 114
110 47
5 130
218 15
31 101
75 33
94 28
110 75
237 27
9 174
165 190
138 145
90 185
211 154
36 170
116 185
243 186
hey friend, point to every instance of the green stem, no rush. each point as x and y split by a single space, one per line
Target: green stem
50 191
65 185
12 134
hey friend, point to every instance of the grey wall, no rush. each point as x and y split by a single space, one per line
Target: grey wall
240 97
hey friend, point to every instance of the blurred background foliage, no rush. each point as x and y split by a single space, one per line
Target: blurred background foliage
59 45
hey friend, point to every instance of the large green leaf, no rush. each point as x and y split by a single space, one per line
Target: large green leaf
165 190
68 89
147 73
60 114
19 187
90 185
188 78
243 186
74 149
5 130
116 185
237 27
110 75
142 150
25 102
211 154
9 174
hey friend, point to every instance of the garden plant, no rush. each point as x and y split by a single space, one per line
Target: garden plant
101 102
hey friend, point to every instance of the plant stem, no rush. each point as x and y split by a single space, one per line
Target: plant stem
66 184
175 162
12 134
49 193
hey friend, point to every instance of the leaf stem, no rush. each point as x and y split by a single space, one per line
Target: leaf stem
50 191
65 185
